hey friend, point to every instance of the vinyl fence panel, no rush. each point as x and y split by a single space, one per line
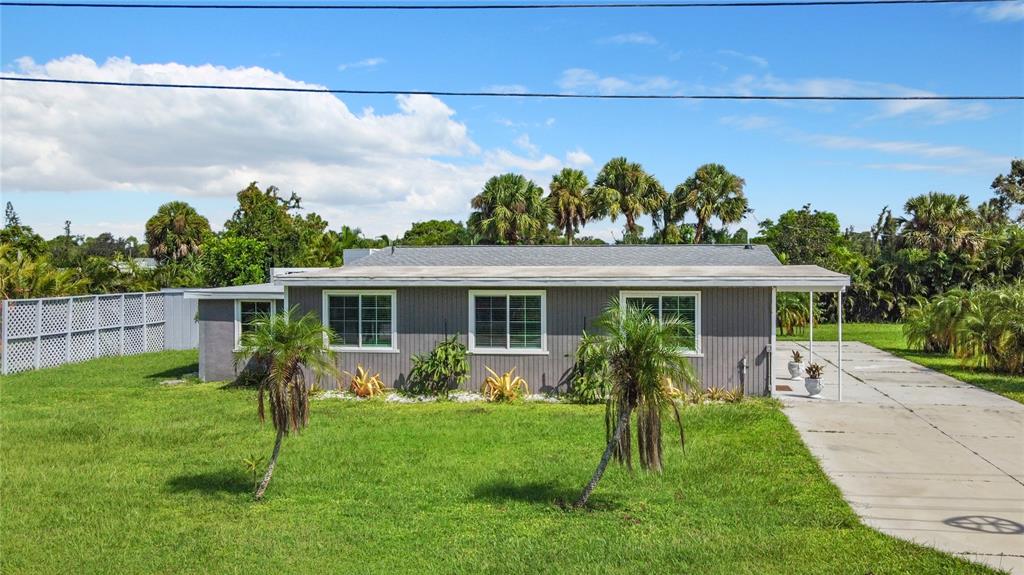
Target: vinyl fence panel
47 332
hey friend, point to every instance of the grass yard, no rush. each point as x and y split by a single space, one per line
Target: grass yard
889 337
107 471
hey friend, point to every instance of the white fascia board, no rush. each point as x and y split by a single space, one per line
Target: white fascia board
784 284
255 295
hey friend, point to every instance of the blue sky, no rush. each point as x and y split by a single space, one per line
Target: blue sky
106 158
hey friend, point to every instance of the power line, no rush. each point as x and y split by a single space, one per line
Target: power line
560 6
485 94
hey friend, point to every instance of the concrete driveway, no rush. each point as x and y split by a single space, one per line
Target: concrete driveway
917 454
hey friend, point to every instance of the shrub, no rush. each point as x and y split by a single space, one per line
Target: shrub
504 387
590 377
439 371
982 327
362 384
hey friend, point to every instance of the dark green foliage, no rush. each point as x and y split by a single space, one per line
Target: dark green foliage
803 236
436 233
176 232
590 378
439 371
510 210
20 237
230 261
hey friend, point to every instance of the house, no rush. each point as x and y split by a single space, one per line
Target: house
521 306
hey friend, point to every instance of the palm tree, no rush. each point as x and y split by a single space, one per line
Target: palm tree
176 231
712 191
941 222
22 276
510 210
287 346
645 361
569 201
623 187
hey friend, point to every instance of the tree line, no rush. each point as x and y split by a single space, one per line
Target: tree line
940 241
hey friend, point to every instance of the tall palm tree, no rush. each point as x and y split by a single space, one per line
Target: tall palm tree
712 191
623 187
510 210
176 231
287 346
645 361
569 200
941 222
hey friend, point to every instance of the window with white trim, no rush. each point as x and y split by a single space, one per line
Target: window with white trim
684 307
247 311
361 320
507 322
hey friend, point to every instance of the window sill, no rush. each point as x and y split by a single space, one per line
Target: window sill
363 349
501 351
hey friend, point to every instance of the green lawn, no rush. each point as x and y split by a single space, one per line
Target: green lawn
107 471
889 336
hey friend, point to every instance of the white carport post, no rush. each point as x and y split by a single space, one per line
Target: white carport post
810 341
839 308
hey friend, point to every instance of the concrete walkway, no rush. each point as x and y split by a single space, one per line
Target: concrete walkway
917 454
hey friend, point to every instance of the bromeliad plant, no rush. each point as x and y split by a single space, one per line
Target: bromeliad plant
290 346
814 371
441 370
504 387
362 384
647 373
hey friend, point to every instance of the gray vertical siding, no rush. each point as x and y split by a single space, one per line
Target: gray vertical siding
181 330
736 323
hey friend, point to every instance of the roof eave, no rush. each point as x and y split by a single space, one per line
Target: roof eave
835 283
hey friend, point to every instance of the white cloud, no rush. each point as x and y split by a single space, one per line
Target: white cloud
1002 12
578 158
630 38
507 88
524 143
585 80
378 170
365 63
934 111
948 159
753 59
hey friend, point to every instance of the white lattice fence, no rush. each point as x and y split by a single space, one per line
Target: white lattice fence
53 331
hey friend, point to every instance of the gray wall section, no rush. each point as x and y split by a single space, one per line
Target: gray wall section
181 331
736 323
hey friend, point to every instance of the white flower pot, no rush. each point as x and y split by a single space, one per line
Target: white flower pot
813 386
795 369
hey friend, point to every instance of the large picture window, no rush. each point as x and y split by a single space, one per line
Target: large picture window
246 311
507 322
361 320
684 307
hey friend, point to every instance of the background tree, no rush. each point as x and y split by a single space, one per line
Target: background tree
569 201
266 216
644 364
176 232
804 236
712 192
22 276
21 237
1009 189
436 233
232 261
510 210
289 346
623 187
940 222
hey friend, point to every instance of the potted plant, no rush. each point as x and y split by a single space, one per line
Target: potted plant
813 380
796 365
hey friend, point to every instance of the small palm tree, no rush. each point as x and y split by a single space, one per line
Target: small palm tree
569 201
510 210
712 191
645 362
287 346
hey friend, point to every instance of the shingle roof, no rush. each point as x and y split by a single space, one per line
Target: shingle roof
572 256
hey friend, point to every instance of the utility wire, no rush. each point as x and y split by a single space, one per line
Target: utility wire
559 6
482 94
